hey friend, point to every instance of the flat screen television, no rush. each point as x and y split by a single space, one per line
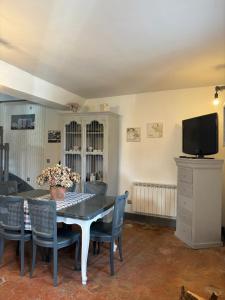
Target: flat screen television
200 135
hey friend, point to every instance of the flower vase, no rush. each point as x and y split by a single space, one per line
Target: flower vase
57 192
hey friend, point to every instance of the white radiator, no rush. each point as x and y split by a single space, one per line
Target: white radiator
154 199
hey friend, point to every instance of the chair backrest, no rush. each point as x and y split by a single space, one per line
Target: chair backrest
12 213
43 218
118 213
74 188
8 188
95 187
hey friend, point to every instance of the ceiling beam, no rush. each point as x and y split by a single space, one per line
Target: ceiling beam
23 85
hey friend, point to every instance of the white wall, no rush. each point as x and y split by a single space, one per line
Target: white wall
52 150
152 159
29 149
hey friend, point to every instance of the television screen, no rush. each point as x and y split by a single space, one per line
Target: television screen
200 135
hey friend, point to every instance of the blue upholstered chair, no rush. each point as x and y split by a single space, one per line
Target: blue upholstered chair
12 225
45 234
110 232
74 188
95 187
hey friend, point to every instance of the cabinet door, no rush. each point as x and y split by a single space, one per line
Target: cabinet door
73 143
94 152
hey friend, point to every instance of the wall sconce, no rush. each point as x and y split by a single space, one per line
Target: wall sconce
216 100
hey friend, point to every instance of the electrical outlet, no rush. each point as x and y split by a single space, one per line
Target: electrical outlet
28 178
129 201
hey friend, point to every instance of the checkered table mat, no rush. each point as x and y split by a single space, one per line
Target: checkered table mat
71 198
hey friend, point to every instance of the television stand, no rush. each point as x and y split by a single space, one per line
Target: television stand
196 157
199 202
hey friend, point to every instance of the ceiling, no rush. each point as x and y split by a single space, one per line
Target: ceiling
98 48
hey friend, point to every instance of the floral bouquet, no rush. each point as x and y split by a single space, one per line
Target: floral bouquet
59 178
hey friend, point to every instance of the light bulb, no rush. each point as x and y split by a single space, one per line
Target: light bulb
216 100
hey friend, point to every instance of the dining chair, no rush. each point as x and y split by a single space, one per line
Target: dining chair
12 225
95 187
45 234
109 232
74 188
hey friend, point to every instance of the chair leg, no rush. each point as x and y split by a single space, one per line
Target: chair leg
18 248
1 249
77 250
45 254
34 251
55 265
112 257
94 247
120 247
22 257
99 246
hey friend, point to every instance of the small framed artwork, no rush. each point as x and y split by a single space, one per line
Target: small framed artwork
133 134
54 136
155 130
22 122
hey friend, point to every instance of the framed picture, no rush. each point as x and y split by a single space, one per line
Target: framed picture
155 130
133 134
22 122
54 136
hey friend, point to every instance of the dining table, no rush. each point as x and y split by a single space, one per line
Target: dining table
77 208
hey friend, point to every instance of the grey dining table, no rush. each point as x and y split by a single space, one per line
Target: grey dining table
83 214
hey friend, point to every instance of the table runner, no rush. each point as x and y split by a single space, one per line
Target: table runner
71 198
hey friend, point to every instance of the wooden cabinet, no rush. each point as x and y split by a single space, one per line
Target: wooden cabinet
199 202
90 146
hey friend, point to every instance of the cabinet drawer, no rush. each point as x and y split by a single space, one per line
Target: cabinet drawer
185 189
185 174
184 231
184 215
185 202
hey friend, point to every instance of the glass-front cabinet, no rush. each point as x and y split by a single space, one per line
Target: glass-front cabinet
90 147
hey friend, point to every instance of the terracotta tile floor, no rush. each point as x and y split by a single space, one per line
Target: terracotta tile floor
156 264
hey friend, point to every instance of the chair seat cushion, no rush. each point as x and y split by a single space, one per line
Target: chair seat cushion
64 238
101 230
15 235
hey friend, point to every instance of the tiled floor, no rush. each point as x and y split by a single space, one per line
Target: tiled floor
156 264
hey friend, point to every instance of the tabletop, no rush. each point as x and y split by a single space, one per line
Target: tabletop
88 208
76 205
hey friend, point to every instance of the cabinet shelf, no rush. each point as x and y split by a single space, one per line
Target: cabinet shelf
95 132
72 152
74 133
94 153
